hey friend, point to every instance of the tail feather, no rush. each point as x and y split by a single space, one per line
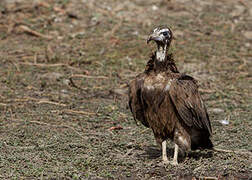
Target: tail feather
201 140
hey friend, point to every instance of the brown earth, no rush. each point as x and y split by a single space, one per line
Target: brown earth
64 70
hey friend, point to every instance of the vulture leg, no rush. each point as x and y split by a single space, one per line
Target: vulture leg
164 155
175 157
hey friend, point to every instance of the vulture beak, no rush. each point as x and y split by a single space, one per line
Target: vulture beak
154 37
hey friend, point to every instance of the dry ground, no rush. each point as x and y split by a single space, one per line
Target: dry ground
64 69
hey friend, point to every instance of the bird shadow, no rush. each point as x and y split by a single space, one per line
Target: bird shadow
198 154
153 152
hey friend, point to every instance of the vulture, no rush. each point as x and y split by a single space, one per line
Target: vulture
169 102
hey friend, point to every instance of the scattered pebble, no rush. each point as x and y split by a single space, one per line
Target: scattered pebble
129 59
217 110
247 44
248 34
64 91
66 81
154 8
135 33
224 122
238 10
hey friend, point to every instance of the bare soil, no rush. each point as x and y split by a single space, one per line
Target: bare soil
64 71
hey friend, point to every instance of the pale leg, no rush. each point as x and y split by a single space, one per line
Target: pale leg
175 157
164 155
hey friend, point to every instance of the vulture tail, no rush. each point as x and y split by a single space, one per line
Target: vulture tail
201 140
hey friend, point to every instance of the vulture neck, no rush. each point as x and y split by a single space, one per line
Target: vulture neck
161 53
163 61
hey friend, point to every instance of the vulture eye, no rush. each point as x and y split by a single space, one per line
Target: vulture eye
165 33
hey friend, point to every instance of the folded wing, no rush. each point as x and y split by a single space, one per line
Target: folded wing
188 103
135 99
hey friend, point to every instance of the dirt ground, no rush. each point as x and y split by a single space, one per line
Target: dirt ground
64 70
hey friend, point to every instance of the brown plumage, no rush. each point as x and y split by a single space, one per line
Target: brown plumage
169 102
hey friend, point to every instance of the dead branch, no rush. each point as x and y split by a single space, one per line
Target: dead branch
206 90
78 112
39 101
116 128
50 102
48 65
232 151
208 178
43 65
89 77
74 85
34 33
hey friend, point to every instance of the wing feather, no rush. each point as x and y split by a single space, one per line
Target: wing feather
188 103
135 99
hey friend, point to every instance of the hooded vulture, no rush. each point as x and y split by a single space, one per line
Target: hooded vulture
169 102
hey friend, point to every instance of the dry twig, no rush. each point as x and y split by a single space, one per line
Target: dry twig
206 90
74 85
116 128
78 112
89 77
39 101
50 102
208 178
49 65
83 76
232 151
34 33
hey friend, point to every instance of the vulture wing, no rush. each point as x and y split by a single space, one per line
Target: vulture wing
135 101
188 103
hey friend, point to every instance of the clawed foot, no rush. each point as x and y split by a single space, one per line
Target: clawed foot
165 162
174 163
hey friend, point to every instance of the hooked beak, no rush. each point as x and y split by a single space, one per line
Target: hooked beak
154 37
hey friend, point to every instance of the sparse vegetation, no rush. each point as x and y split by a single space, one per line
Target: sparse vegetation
64 69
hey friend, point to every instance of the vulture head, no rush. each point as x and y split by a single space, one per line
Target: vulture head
162 35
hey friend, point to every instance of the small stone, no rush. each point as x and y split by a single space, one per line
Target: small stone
248 34
66 81
217 110
224 122
154 8
238 10
64 91
247 44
